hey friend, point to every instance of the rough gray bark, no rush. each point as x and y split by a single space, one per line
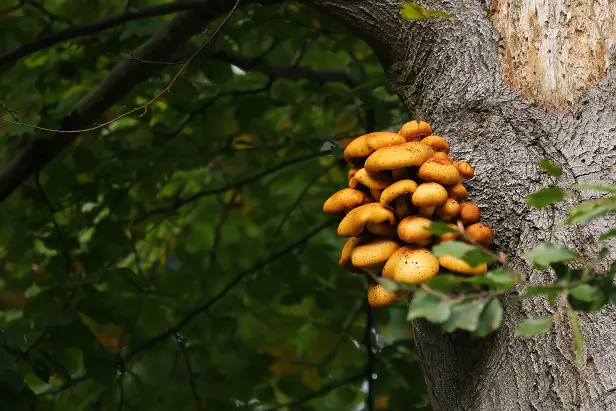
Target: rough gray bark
448 73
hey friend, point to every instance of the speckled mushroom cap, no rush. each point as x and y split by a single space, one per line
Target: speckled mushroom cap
361 147
413 229
413 130
345 256
439 171
481 233
403 155
353 223
469 213
437 143
457 191
429 195
444 156
460 266
396 190
379 180
374 253
412 265
379 296
343 201
465 169
450 208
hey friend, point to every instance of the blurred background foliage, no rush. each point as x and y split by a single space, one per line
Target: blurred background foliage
181 260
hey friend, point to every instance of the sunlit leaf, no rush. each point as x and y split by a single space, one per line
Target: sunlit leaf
547 253
533 326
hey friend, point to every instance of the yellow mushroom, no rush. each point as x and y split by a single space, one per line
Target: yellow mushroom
437 143
466 171
376 194
444 156
353 223
382 230
469 213
403 155
439 171
412 265
352 172
378 180
372 256
413 229
460 266
361 147
447 210
414 130
457 191
379 296
345 256
343 201
451 236
427 196
480 233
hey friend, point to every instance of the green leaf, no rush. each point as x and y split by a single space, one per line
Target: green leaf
464 315
608 234
552 169
547 253
533 326
473 255
414 11
439 228
429 306
444 283
388 284
588 211
501 279
584 292
597 187
545 197
490 318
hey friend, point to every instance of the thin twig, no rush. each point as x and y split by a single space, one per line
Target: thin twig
191 374
370 357
143 109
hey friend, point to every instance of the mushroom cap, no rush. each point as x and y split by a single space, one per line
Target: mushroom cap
429 195
378 180
437 143
465 169
414 129
412 229
400 174
451 236
439 170
357 150
444 156
450 208
410 154
353 223
379 296
460 266
376 194
352 172
345 255
397 189
480 233
382 230
469 213
457 191
361 147
412 265
342 201
374 252
380 139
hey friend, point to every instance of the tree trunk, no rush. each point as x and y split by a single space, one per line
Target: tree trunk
507 84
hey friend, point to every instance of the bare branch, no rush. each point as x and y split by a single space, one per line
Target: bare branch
239 277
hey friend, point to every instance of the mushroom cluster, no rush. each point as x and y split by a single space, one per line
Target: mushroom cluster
399 184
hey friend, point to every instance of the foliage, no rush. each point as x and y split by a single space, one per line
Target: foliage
178 259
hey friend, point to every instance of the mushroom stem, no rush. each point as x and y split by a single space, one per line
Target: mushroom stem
426 211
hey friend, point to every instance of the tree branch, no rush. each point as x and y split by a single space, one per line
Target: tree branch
239 277
98 26
292 73
114 87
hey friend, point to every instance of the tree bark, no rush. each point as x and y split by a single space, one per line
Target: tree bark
471 82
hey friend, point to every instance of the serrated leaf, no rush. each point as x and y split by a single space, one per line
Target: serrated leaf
547 253
533 326
414 11
439 228
473 255
545 197
429 306
490 318
552 169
